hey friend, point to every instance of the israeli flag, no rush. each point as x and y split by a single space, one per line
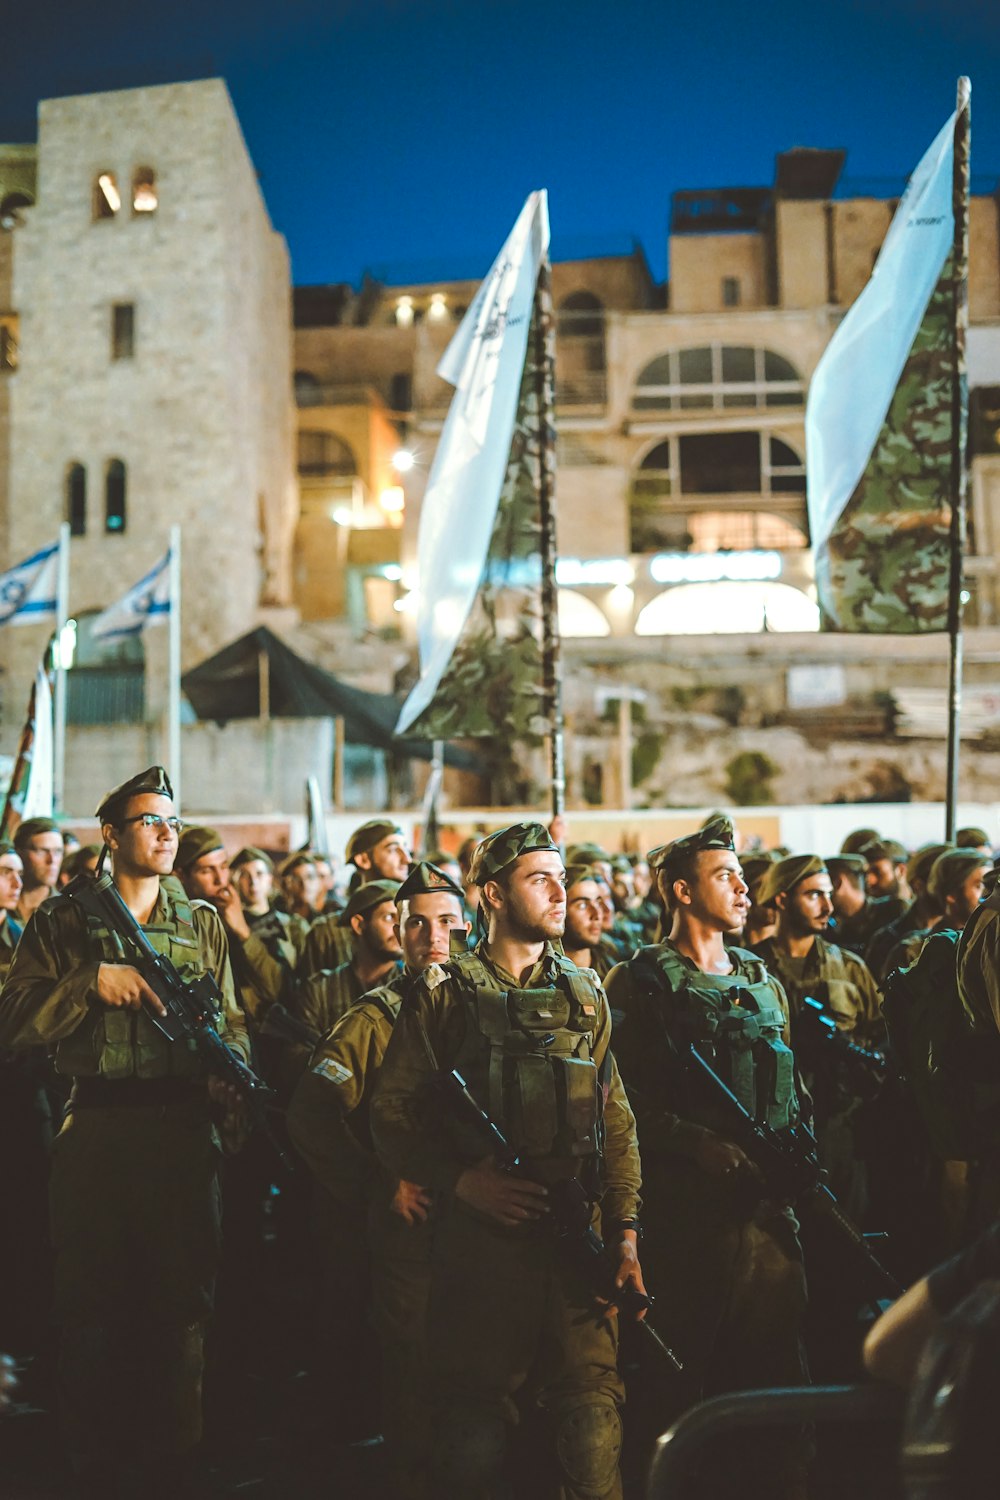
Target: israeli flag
28 592
148 603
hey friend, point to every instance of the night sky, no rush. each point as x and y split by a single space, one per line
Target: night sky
402 136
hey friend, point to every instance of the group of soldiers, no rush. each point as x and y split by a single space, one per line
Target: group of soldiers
466 1055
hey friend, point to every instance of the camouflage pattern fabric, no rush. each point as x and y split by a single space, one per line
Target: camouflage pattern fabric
499 850
885 565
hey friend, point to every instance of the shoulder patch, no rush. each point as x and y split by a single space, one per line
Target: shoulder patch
333 1071
433 976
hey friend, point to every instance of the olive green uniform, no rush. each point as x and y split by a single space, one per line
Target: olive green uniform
725 1268
264 963
328 1121
328 945
511 1325
134 1188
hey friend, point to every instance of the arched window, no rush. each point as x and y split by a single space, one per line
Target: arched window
581 315
144 195
76 499
581 363
107 198
717 377
326 454
727 608
580 616
114 496
308 391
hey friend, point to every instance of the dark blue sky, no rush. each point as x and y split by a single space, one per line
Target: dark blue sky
405 134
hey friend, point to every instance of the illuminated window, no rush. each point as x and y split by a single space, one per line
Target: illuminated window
438 310
728 609
580 616
404 312
76 499
123 330
717 377
114 497
107 198
144 198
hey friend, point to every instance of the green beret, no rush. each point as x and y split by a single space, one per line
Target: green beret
367 897
364 839
195 841
785 876
885 849
292 862
499 850
154 780
31 827
425 879
951 869
918 866
856 841
588 854
854 864
973 838
754 865
717 833
578 872
248 855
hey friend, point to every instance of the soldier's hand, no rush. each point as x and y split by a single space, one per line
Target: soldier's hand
123 988
509 1200
411 1202
230 908
629 1272
720 1158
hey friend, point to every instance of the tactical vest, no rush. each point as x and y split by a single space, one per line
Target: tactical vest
117 1044
830 983
737 1022
535 1076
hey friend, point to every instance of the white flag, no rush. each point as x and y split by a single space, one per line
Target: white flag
855 380
28 592
37 801
148 603
485 362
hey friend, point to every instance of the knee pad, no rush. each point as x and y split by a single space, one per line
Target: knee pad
469 1453
588 1445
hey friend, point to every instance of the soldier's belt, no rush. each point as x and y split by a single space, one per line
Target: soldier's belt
135 1093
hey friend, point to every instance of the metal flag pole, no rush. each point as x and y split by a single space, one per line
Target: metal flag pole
174 666
545 349
959 439
59 661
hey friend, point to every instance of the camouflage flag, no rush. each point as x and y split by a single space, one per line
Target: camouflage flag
30 793
478 536
879 435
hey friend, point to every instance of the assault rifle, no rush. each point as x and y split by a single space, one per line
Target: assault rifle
192 1006
789 1166
815 1027
571 1214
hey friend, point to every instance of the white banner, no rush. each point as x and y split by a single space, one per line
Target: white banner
855 380
38 800
28 592
485 362
148 603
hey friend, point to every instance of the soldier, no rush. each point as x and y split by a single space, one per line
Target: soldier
727 1265
916 916
83 857
371 1219
40 846
584 915
974 838
264 955
511 1325
11 881
300 885
761 920
886 873
856 915
323 997
955 886
808 964
378 851
135 1201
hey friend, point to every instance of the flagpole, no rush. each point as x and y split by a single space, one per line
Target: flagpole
959 431
59 695
174 666
551 656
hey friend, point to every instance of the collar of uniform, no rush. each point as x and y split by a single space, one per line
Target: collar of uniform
544 971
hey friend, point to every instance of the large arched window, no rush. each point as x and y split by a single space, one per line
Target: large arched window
114 497
717 377
728 608
580 616
325 454
76 499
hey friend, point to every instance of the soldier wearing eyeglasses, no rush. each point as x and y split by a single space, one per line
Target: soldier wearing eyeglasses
134 1188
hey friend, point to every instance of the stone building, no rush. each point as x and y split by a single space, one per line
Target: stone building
145 372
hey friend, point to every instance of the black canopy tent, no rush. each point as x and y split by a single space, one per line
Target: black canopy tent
229 686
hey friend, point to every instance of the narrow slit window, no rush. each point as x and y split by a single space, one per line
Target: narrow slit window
114 497
144 195
76 499
107 198
123 330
